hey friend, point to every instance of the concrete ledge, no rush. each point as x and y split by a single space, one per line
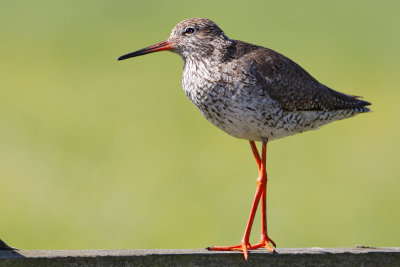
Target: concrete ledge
358 256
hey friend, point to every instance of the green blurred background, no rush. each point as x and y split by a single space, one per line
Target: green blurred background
96 153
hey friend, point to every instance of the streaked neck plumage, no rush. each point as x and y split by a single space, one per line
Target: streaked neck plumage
202 69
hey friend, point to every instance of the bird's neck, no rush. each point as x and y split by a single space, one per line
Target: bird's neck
205 62
212 52
203 71
198 73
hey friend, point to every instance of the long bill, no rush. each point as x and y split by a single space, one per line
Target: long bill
147 50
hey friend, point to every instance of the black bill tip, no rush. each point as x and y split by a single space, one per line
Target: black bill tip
166 45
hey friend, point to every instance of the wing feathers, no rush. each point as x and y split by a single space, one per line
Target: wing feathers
290 85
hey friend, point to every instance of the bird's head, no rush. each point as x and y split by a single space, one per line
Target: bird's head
191 37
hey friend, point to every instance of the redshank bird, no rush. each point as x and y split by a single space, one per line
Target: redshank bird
252 93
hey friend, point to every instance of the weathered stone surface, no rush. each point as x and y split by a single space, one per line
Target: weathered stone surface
358 256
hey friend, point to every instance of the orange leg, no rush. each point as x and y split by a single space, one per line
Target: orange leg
260 193
265 240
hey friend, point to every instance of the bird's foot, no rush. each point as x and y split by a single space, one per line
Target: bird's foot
246 246
265 243
243 246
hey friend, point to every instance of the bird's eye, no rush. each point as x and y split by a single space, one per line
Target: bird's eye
189 30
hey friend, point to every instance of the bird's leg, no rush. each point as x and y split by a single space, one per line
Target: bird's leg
265 240
261 183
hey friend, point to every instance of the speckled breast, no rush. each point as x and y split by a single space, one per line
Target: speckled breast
243 112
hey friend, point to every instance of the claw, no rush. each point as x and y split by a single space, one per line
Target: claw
245 252
272 242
